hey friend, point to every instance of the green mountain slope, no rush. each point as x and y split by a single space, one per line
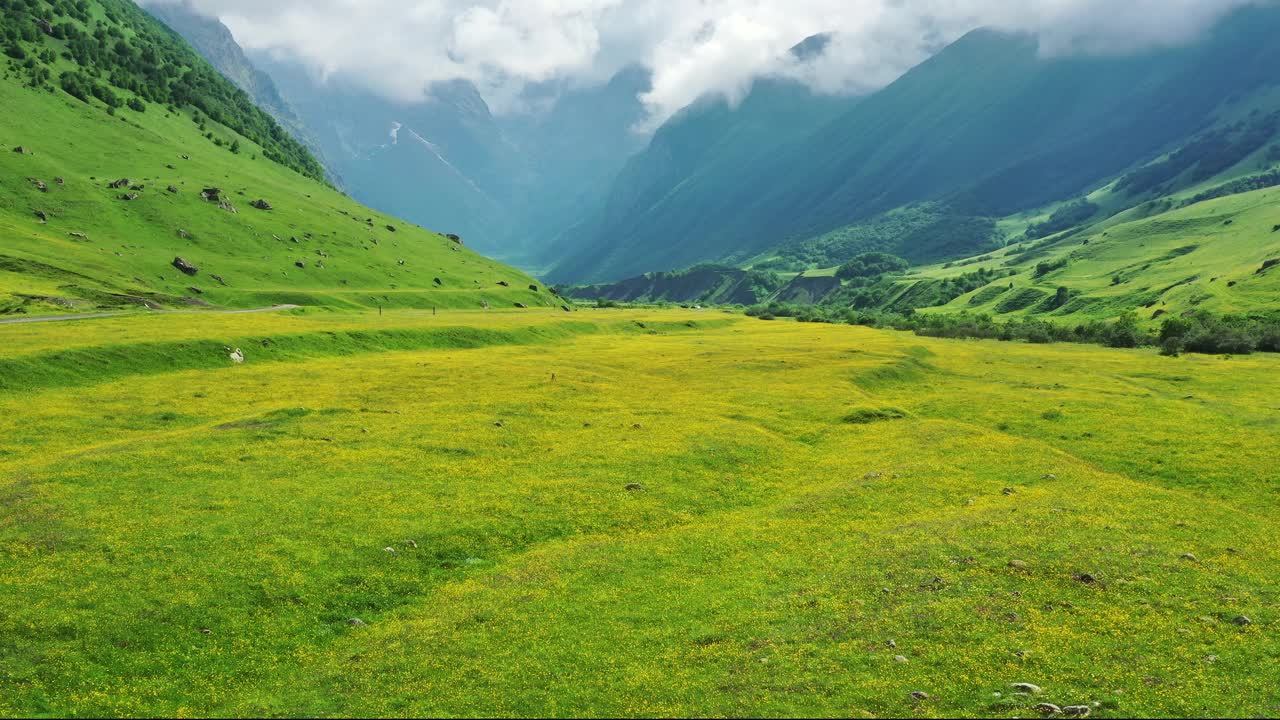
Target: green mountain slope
215 43
70 240
987 128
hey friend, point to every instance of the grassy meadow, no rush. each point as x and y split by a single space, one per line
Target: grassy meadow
627 513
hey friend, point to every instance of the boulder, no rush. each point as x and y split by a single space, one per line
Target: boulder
437 281
120 184
211 194
504 283
300 264
39 184
533 288
261 204
44 218
173 189
185 267
127 197
20 150
392 228
454 238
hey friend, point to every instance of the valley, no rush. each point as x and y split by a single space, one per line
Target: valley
955 396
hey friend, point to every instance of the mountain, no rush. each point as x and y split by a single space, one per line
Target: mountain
987 128
134 174
508 183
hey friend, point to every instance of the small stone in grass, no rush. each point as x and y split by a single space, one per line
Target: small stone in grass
1190 558
1077 711
636 487
1025 688
893 644
356 622
1242 620
389 550
1008 491
1047 709
919 696
899 658
206 631
1018 564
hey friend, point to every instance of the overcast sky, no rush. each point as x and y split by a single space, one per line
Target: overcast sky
399 47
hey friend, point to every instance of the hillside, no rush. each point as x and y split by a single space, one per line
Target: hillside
986 129
215 43
105 94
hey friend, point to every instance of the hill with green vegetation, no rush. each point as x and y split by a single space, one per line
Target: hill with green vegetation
933 165
627 513
133 174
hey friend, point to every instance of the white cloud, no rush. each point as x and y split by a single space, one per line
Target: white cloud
400 47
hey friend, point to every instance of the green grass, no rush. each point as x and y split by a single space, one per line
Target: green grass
351 258
1205 256
809 493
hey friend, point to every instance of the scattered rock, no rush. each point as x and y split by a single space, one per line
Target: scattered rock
261 204
1242 620
533 288
522 306
437 281
172 167
356 622
1086 578
39 184
120 184
218 279
209 194
1078 711
637 426
139 187
45 26
391 228
128 197
1008 491
389 550
224 205
1025 688
566 308
183 234
185 157
1050 476
173 189
195 290
59 181
185 267
504 283
206 631
1189 557
1047 709
79 235
237 356
454 238
919 696
300 264
20 150
893 644
900 658
44 218
1018 565
409 543
636 487
499 424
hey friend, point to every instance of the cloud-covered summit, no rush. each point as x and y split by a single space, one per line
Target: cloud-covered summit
399 48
